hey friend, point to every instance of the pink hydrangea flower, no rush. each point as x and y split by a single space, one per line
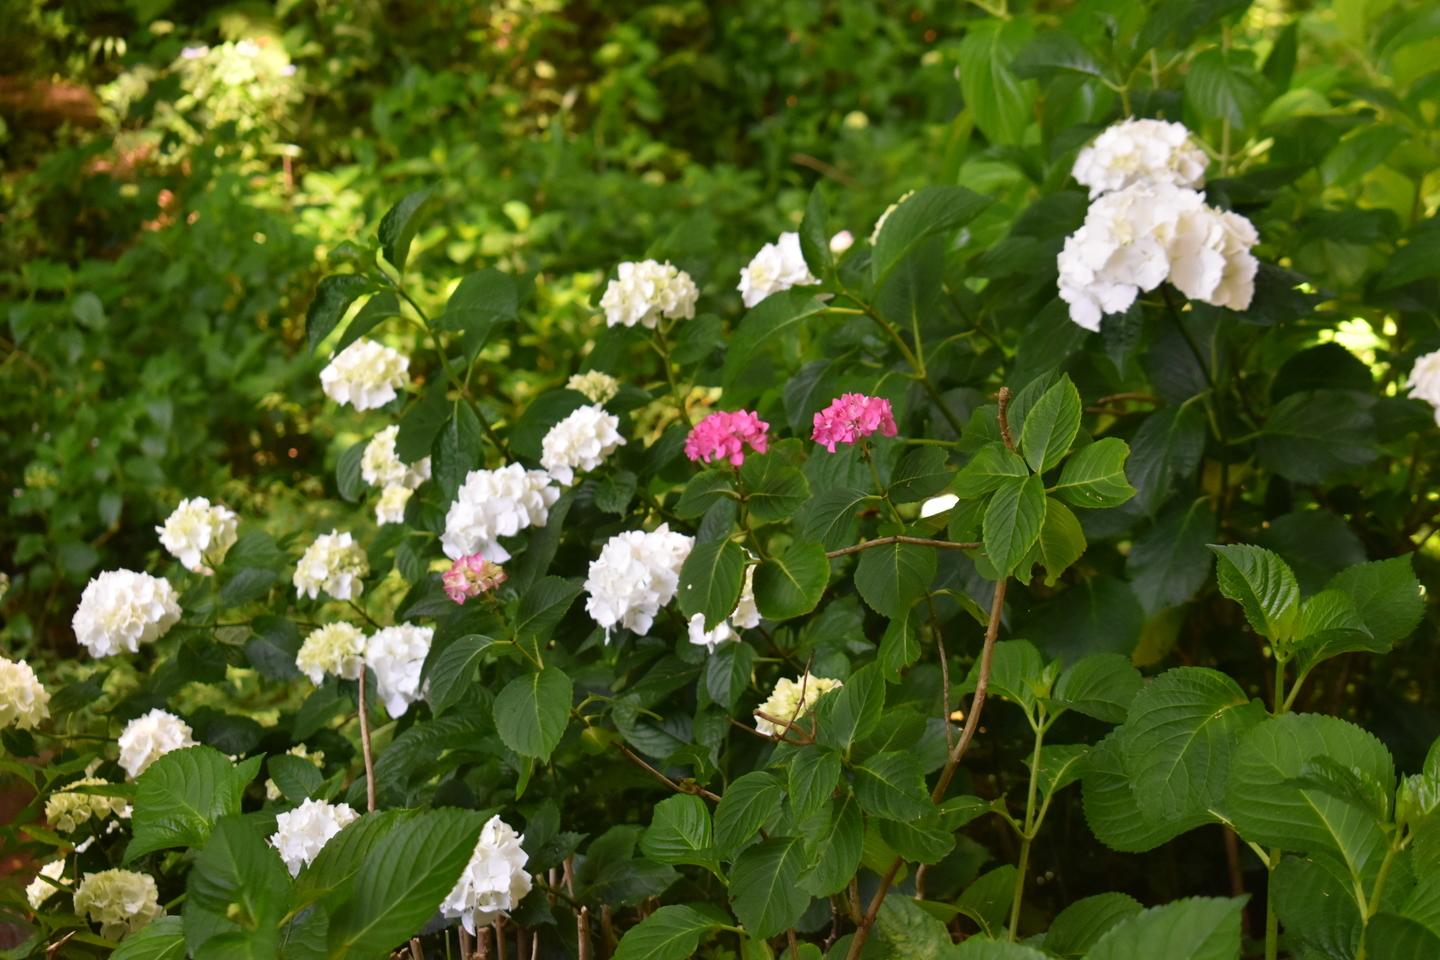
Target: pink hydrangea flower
851 417
725 434
471 576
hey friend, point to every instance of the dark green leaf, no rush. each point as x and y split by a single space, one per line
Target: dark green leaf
1102 686
1095 475
180 796
1050 426
791 585
422 422
1167 448
991 466
1386 594
1171 561
483 299
893 576
1261 583
332 298
1012 522
767 321
748 802
1113 810
1000 101
1061 542
162 939
1223 85
830 517
987 902
764 886
614 493
452 670
710 581
348 479
814 241
834 838
378 308
542 608
703 491
1316 906
246 586
532 711
272 647
670 933
922 473
813 775
1076 929
727 672
680 832
891 785
1313 433
935 210
239 877
398 226
773 489
296 777
1054 52
456 450
851 712
1198 928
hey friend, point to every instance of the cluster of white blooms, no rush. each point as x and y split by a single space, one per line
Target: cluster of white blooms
390 508
317 757
778 266
302 832
636 574
581 441
148 738
746 616
596 386
337 648
333 563
494 880
23 698
380 467
66 810
645 291
1152 228
494 504
1141 151
121 901
786 702
875 234
365 374
397 654
198 533
1424 382
40 890
121 609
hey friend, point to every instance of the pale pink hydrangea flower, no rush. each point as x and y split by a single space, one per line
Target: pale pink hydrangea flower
471 576
851 417
725 434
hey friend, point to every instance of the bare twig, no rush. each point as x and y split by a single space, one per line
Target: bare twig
416 951
1004 400
794 946
365 746
54 948
697 790
918 541
467 945
821 167
582 932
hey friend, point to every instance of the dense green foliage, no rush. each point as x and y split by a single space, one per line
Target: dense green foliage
1209 528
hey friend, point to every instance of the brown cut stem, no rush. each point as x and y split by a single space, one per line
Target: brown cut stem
499 927
1003 399
582 932
794 946
416 951
918 541
699 791
365 747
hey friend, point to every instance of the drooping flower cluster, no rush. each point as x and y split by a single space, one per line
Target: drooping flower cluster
121 609
66 810
365 375
380 467
647 290
470 577
790 700
493 882
746 616
581 441
40 890
337 648
778 266
1424 381
149 737
1141 151
635 575
23 698
334 563
396 654
199 534
317 757
301 833
851 417
121 901
494 504
596 386
879 224
724 435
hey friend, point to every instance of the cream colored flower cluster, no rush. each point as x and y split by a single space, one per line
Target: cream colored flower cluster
1141 151
380 467
494 881
67 811
121 609
396 654
336 648
199 534
121 901
23 698
596 386
40 889
581 441
334 563
493 504
365 375
643 292
790 700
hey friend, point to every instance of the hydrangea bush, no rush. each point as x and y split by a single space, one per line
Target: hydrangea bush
859 586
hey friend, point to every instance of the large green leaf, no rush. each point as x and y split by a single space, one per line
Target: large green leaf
1050 426
452 671
670 933
1311 434
1095 475
893 576
532 711
748 802
1223 85
774 490
1169 562
398 226
791 585
333 871
296 777
1102 685
704 490
1261 583
764 886
1394 937
813 775
1166 449
921 473
892 785
728 671
991 466
1014 666
845 715
814 236
1386 594
1076 929
422 422
1316 903
1061 542
834 839
1197 928
542 608
710 581
911 932
239 877
1013 521
1055 52
377 309
983 948
939 209
1113 811
767 321
830 516
181 795
987 901
455 451
482 300
1000 101
680 832
162 939
333 297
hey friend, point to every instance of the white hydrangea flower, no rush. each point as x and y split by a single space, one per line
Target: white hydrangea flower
875 234
198 533
596 386
365 375
317 757
645 291
121 901
1210 258
711 639
148 738
390 507
581 441
66 811
945 501
396 654
23 698
746 616
381 467
494 881
301 833
778 266
1141 151
337 648
39 891
785 701
635 575
333 563
494 504
1424 381
121 609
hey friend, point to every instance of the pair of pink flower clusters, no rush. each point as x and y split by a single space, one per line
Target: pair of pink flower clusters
725 435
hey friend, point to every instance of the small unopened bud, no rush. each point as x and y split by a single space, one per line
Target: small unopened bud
842 241
471 576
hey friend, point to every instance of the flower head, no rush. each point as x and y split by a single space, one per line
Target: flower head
333 563
396 654
337 648
635 575
790 700
390 508
647 290
778 266
197 533
596 386
23 698
148 738
1424 381
40 889
66 811
365 375
471 576
121 609
581 441
851 417
121 901
724 435
381 467
1141 151
494 504
1210 258
494 881
301 833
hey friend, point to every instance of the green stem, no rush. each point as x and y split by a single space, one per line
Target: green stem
1280 704
884 494
663 348
1032 826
